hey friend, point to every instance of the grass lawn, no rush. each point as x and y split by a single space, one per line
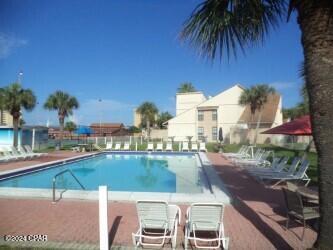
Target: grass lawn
279 152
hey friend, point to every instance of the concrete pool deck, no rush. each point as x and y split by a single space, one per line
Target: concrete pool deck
255 220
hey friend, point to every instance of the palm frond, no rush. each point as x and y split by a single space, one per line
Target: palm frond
216 27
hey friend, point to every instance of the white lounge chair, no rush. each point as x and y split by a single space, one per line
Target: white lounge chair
242 150
17 154
108 146
202 147
205 217
6 157
150 146
276 166
158 222
126 146
29 150
185 147
117 147
159 147
260 160
299 174
24 152
169 147
98 147
194 147
288 170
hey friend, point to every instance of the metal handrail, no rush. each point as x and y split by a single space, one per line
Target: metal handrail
60 173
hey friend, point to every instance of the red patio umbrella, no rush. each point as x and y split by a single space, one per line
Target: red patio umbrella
299 126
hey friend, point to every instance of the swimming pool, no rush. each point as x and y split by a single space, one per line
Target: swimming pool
166 173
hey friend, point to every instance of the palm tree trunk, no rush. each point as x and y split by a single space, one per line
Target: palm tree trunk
148 128
257 128
317 41
16 121
61 128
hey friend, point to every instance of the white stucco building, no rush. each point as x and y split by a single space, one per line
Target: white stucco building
201 117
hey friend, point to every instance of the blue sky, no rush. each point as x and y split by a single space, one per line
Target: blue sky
125 52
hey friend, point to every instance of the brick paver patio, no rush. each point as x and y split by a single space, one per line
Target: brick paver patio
254 221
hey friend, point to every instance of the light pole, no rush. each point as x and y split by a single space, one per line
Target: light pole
19 77
100 117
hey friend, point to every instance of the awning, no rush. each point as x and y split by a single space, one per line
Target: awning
300 126
84 130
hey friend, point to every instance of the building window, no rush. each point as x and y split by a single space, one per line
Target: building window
214 115
200 115
201 133
214 133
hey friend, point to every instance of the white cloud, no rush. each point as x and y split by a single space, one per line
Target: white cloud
8 43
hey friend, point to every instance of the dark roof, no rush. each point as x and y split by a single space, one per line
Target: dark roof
268 111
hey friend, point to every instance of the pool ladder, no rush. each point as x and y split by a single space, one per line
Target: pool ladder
61 173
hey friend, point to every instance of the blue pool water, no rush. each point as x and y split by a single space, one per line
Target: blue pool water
121 172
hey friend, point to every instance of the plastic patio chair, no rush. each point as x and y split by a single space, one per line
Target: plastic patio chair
185 147
158 222
194 147
126 146
169 147
202 147
150 146
117 147
205 217
159 147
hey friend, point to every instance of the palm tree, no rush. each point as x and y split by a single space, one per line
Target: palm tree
219 26
186 87
162 118
14 99
256 97
64 104
70 126
148 111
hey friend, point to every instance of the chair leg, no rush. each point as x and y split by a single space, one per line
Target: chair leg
287 223
304 225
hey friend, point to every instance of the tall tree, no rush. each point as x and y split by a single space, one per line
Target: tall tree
64 104
186 87
219 26
14 99
256 97
162 118
148 111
